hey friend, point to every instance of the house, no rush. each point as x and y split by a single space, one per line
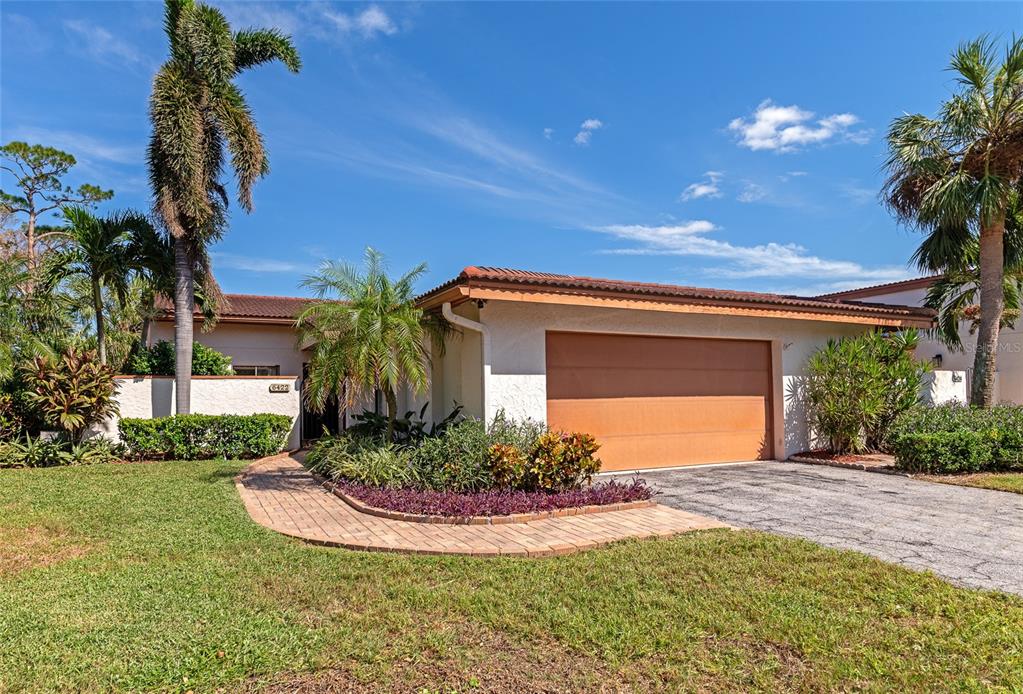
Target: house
662 375
1009 371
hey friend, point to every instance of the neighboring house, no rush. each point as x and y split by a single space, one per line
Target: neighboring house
662 375
1009 371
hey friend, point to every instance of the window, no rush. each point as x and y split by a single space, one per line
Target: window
257 370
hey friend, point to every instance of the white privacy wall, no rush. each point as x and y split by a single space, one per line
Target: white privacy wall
518 383
153 396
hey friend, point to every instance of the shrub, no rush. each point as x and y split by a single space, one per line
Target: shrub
158 360
857 387
956 438
495 502
507 465
362 461
37 452
456 460
561 461
72 392
11 422
410 429
199 436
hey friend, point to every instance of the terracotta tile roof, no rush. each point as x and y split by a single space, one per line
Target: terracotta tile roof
572 283
887 288
250 307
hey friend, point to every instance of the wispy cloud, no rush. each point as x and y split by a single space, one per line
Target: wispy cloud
856 193
548 133
586 130
103 45
257 264
707 188
85 148
316 20
369 23
770 260
789 128
752 192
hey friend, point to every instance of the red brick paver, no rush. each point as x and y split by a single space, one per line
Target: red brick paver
282 495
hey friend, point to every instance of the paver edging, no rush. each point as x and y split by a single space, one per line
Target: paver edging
887 470
482 520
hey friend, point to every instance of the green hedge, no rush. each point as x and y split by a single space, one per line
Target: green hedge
956 438
158 360
200 436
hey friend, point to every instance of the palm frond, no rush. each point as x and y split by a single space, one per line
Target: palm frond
256 47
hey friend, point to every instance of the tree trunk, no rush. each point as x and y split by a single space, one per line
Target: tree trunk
392 412
146 334
101 330
184 307
992 304
30 238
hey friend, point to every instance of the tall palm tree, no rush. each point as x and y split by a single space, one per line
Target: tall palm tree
101 251
198 117
369 335
956 176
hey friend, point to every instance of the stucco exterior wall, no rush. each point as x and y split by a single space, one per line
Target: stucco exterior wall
517 381
153 396
458 371
944 386
247 344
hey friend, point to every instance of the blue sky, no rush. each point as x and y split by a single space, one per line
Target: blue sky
725 145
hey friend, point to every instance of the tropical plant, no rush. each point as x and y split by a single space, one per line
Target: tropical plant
409 429
197 113
369 336
35 320
560 461
856 387
957 176
99 249
72 392
158 360
38 170
953 438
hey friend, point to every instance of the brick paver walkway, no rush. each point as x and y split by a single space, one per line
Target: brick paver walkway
282 495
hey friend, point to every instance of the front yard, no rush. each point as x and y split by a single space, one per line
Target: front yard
1002 481
139 577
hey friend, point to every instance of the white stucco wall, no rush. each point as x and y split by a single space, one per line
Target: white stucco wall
943 386
153 396
247 344
518 383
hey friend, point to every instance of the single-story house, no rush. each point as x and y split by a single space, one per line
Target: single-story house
662 375
1009 370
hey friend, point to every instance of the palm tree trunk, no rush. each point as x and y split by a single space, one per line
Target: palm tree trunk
392 412
992 304
184 307
101 330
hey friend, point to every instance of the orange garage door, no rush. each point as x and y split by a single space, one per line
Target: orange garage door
662 401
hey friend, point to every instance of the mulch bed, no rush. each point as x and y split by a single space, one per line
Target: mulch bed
493 506
871 462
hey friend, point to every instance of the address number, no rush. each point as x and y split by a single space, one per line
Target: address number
280 388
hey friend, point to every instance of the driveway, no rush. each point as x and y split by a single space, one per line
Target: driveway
973 537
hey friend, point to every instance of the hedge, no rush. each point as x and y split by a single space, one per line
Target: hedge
201 436
955 438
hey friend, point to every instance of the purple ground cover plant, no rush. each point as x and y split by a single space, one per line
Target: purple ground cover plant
495 502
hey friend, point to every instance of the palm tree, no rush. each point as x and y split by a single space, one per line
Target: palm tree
198 117
101 251
956 176
368 336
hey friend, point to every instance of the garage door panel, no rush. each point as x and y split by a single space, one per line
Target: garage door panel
662 401
590 382
604 351
670 450
640 416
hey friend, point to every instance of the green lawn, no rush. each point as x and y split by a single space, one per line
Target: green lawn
1002 481
141 577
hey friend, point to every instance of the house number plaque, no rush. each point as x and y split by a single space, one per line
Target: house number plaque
280 388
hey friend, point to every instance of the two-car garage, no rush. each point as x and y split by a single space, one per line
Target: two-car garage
662 401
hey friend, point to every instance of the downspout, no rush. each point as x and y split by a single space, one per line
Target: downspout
469 324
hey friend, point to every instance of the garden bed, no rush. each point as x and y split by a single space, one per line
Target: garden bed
491 507
872 462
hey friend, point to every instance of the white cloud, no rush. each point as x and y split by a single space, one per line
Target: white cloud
788 128
369 23
102 44
703 189
586 131
85 148
548 133
857 193
752 192
771 260
256 264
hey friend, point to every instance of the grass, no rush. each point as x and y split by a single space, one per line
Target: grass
143 577
1002 481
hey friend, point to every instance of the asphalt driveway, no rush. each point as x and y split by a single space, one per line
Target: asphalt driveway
973 537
